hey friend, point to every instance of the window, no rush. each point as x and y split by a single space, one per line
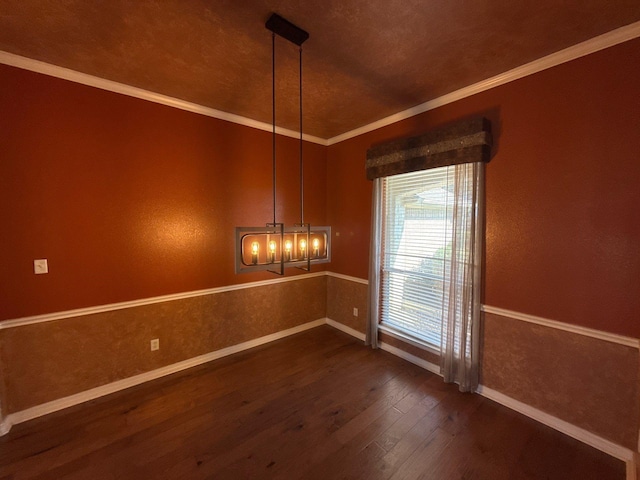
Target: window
427 243
417 233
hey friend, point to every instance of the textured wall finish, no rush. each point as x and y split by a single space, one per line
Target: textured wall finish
590 383
50 360
342 296
128 199
562 225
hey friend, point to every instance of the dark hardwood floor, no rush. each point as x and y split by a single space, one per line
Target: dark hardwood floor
317 405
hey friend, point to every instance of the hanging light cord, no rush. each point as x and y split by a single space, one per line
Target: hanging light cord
301 163
273 118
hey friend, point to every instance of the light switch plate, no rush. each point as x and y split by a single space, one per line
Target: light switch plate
40 266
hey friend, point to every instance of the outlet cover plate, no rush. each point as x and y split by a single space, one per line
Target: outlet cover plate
40 266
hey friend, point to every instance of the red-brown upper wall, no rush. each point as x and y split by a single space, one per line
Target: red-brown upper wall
563 228
128 199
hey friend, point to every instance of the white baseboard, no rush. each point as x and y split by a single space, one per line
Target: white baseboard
431 367
78 398
567 428
343 328
578 433
562 426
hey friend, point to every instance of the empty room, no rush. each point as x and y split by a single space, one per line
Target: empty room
319 240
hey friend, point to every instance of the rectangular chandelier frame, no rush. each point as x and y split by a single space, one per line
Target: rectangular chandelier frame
275 247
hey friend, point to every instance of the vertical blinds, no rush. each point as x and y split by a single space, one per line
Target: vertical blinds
416 241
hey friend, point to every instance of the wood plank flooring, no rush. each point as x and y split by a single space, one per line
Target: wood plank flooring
318 405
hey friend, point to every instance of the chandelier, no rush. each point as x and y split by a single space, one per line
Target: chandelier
275 246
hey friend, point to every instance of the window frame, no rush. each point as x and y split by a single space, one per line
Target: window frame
384 271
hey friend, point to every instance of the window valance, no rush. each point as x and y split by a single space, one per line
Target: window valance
467 141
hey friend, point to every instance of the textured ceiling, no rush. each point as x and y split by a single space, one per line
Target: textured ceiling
364 60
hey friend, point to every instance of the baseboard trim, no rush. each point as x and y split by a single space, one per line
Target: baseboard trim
343 328
591 439
92 394
431 367
406 339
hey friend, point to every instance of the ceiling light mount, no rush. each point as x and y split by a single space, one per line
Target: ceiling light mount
287 30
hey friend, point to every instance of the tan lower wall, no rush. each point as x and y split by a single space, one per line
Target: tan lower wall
47 361
342 296
588 382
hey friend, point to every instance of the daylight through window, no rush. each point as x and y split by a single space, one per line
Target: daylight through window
417 233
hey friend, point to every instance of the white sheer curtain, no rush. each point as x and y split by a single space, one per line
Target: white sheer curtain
374 265
460 328
459 346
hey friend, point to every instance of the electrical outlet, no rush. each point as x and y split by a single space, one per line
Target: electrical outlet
155 344
355 312
40 266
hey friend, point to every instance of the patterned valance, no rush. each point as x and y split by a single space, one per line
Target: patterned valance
464 142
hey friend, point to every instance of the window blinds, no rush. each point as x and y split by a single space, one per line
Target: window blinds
416 241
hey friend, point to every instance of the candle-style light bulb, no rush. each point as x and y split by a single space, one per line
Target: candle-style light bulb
272 251
287 249
255 248
303 248
316 247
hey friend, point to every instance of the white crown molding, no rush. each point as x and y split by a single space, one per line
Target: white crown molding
567 428
48 317
38 66
567 327
606 40
62 403
349 278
